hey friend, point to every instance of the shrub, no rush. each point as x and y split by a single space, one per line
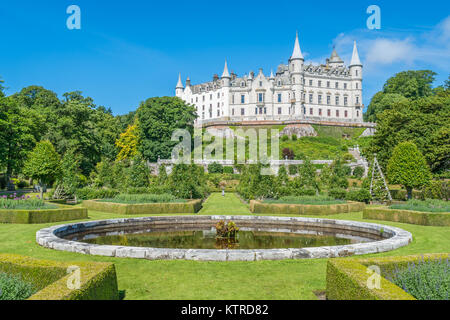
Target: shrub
143 198
358 172
429 205
293 169
361 195
94 193
15 202
14 288
22 184
215 168
337 193
436 190
228 170
187 182
294 137
425 280
284 138
138 190
311 200
348 157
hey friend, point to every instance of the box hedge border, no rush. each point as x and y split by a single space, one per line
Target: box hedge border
192 206
347 278
63 213
303 209
98 280
438 219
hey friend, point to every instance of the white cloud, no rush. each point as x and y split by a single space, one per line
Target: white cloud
387 51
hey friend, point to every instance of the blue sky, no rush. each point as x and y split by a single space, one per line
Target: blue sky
127 51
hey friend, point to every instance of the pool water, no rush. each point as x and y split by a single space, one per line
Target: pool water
207 239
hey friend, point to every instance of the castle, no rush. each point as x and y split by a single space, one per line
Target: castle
329 92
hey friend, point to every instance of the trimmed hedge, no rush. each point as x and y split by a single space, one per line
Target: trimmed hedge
303 209
193 206
347 278
407 216
63 213
98 280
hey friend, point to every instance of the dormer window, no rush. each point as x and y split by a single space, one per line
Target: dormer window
242 84
260 84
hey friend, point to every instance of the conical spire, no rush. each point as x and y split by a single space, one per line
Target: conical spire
297 54
271 74
180 84
355 57
226 74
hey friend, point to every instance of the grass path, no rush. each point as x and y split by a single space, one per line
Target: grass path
290 279
228 205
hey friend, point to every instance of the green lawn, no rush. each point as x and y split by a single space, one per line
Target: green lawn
142 279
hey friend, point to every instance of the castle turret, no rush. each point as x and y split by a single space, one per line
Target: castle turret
335 60
179 88
226 78
356 73
296 70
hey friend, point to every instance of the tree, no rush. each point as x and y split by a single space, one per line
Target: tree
128 143
408 167
158 118
404 86
422 121
138 175
71 178
187 182
19 128
43 164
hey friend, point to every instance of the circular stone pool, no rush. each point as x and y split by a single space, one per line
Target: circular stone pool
193 238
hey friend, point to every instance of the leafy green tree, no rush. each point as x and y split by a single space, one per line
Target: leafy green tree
187 181
404 86
158 118
422 121
43 164
71 178
138 175
408 167
19 128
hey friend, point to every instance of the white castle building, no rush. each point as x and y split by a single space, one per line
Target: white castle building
329 92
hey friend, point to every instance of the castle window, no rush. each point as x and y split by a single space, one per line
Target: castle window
345 86
346 113
328 84
218 113
265 110
196 99
279 110
310 82
320 112
203 115
218 95
242 84
260 83
329 112
357 114
320 99
337 85
337 100
337 113
242 98
203 98
310 98
210 97
203 108
279 83
345 101
210 114
356 72
218 104
357 100
319 83
311 112
260 97
242 112
232 98
328 99
232 112
279 97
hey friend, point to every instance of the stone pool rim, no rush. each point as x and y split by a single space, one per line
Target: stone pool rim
50 238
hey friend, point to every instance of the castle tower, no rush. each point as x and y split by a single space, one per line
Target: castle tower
226 82
296 70
356 73
179 88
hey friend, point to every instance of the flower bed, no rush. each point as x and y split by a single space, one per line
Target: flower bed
407 216
305 209
347 279
144 198
23 202
49 279
61 213
190 206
